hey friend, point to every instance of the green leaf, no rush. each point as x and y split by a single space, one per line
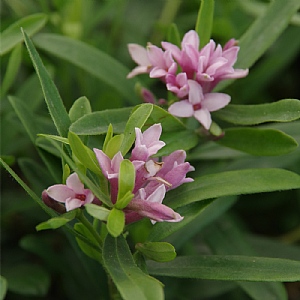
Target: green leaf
11 69
112 147
80 108
98 122
281 111
98 212
92 252
12 35
85 155
55 138
229 267
131 282
124 201
265 30
261 142
57 222
205 21
54 102
3 287
157 251
173 35
233 183
137 119
126 180
91 60
28 280
175 140
116 222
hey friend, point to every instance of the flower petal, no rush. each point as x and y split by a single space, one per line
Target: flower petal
73 182
215 101
203 116
158 195
60 192
181 109
139 54
196 93
72 203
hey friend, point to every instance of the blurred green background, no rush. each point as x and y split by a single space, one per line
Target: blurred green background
46 265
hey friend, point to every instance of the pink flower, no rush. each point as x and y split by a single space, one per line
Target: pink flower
140 56
73 193
199 104
151 207
147 143
215 64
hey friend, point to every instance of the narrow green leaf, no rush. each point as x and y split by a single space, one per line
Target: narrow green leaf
157 251
131 281
126 179
57 222
85 155
99 212
108 137
261 142
98 122
173 35
93 252
116 222
281 111
205 21
124 201
12 69
80 108
55 138
54 102
233 183
12 35
137 119
90 59
265 30
229 267
3 287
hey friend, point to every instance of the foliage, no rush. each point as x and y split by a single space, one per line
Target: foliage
64 93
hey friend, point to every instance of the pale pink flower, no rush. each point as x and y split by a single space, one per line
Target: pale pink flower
147 143
140 56
199 104
73 193
150 206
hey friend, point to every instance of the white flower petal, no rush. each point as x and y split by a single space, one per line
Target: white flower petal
73 182
72 203
60 192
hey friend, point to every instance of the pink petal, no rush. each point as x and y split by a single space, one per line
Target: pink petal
73 182
158 195
215 101
152 134
116 161
104 162
195 94
203 116
137 70
139 54
157 72
173 49
191 38
72 203
181 109
238 73
60 192
156 56
89 196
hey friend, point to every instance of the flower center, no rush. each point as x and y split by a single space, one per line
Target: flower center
81 197
197 106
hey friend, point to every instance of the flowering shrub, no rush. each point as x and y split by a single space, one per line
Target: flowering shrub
153 179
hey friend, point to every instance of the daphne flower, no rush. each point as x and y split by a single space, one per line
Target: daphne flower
151 207
199 105
147 143
73 193
140 56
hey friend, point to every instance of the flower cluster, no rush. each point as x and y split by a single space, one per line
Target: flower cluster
190 73
152 180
